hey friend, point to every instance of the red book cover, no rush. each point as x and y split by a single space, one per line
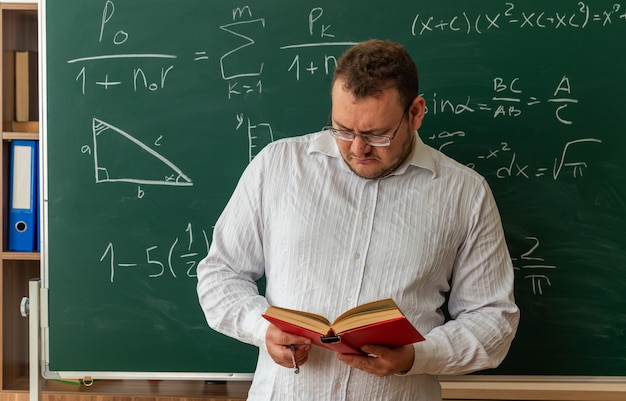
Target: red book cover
390 333
394 332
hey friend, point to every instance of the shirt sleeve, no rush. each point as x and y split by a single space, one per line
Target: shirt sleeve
484 316
227 277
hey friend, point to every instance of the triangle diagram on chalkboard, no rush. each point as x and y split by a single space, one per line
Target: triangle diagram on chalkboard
120 157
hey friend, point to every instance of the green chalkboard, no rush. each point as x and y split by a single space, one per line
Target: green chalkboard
154 108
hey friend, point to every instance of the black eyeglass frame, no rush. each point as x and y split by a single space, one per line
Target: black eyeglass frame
349 136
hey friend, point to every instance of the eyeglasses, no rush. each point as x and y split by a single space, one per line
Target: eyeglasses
370 139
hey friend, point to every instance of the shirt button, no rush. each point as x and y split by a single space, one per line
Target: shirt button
357 256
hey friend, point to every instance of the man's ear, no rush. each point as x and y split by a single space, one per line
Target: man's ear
416 113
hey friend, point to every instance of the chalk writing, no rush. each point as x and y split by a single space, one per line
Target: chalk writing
139 77
103 131
513 167
107 13
238 88
259 135
311 65
528 261
468 23
179 261
508 101
247 41
242 82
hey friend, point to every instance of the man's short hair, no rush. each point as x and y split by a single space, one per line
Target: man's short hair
375 65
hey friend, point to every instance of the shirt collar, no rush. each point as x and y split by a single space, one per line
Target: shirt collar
422 155
324 143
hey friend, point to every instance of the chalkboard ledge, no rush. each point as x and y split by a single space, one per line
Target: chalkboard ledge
545 388
155 390
453 388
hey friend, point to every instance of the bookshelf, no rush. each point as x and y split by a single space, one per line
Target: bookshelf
19 33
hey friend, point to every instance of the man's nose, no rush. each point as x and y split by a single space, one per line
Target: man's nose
359 147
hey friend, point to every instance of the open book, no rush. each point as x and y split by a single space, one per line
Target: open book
376 323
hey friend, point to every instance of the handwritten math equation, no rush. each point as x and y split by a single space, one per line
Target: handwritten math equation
583 16
508 100
178 259
534 267
513 165
244 26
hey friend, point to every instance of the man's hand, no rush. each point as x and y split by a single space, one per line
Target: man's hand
381 361
279 343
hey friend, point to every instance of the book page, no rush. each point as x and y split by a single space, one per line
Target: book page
307 320
365 318
383 304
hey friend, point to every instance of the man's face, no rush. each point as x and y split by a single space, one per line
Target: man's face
378 116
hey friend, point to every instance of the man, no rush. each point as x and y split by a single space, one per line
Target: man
361 211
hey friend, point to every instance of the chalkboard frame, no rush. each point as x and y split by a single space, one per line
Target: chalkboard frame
226 375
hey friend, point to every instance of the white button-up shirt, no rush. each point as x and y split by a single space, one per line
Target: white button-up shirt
328 240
